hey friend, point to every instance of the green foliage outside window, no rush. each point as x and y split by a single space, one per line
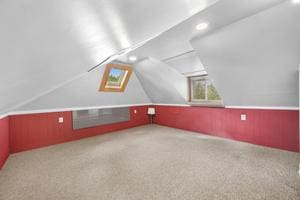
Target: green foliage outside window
204 90
199 90
113 78
212 93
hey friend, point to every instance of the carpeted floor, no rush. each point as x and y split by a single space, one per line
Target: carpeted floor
151 162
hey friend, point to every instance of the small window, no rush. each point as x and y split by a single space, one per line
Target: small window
115 78
203 92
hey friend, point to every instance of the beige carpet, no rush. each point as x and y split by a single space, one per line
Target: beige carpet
151 162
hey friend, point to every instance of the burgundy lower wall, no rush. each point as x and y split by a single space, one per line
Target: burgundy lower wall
39 130
272 128
4 141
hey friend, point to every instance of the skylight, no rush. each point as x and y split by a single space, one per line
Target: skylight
115 78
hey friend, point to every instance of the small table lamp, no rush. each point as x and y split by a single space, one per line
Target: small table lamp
151 113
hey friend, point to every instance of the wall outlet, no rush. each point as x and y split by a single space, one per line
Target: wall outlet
60 120
135 111
243 117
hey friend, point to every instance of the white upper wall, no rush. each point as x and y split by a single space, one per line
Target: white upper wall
162 83
254 61
186 63
176 41
83 92
44 43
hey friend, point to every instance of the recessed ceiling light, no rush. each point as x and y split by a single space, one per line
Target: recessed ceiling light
296 1
202 26
132 58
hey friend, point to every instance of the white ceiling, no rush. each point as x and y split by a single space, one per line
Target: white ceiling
83 92
254 62
162 83
186 63
44 43
176 41
174 48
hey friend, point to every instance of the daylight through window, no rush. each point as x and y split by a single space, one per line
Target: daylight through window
115 78
203 92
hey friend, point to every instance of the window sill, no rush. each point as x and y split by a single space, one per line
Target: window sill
207 104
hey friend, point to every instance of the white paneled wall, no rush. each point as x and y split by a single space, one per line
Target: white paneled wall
162 83
254 61
83 92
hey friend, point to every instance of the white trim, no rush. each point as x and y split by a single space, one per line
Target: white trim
132 105
73 109
236 107
166 104
212 104
3 116
196 73
264 107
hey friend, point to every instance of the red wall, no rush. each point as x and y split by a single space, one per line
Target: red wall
39 130
272 128
4 141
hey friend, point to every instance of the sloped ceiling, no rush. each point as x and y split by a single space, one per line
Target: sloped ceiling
44 43
176 41
162 83
173 49
186 63
254 62
83 92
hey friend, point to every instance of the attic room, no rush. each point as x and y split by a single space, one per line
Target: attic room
128 99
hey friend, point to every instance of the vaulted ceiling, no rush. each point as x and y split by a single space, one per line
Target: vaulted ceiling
46 43
255 60
47 47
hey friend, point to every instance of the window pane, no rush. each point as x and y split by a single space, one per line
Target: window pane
212 93
115 77
198 87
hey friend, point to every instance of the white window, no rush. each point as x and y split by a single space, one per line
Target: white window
203 92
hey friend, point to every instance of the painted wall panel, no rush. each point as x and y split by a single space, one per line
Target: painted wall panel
44 43
162 83
254 61
272 128
175 41
39 130
186 63
83 92
4 140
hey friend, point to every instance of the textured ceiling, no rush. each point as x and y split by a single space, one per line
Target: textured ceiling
219 53
254 62
45 43
176 41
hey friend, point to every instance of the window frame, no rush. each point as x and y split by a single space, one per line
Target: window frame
206 102
124 82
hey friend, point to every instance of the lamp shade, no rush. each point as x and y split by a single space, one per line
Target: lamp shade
151 111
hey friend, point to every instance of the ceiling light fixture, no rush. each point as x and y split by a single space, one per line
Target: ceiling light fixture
202 26
296 1
132 58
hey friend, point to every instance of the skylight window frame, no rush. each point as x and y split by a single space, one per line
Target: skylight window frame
104 87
